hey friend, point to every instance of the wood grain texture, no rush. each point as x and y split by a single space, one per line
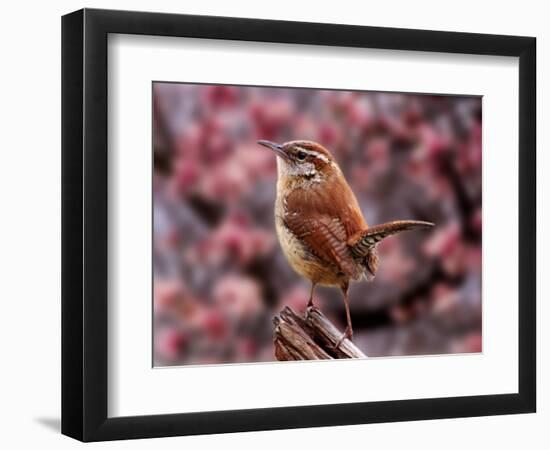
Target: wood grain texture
310 337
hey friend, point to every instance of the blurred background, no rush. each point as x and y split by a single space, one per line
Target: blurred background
219 274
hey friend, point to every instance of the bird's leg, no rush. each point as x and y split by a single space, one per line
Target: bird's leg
310 301
348 333
310 304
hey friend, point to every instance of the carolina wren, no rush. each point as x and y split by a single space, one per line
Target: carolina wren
319 224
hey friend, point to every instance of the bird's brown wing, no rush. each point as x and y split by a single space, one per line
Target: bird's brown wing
324 221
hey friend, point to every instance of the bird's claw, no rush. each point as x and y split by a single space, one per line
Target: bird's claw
347 334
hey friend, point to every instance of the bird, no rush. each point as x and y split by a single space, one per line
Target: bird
319 224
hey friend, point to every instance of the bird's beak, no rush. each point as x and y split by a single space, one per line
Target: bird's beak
277 148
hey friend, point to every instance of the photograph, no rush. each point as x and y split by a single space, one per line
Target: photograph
303 223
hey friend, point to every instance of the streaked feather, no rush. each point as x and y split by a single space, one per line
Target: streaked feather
362 242
324 222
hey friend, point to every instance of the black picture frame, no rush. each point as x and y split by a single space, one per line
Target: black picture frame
84 224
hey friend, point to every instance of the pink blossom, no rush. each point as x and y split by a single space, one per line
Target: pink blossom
246 348
238 296
212 322
444 299
186 175
476 220
473 343
443 240
433 142
220 96
236 239
270 117
167 292
329 134
169 343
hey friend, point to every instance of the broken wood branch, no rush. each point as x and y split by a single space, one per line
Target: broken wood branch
310 337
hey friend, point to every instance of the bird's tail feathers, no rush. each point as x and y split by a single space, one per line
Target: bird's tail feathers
362 242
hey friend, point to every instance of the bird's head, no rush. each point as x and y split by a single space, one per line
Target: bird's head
302 160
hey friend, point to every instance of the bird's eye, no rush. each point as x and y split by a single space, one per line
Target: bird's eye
301 155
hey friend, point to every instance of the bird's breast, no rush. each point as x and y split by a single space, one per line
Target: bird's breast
299 255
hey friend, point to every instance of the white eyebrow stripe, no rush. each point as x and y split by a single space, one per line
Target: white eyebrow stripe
315 154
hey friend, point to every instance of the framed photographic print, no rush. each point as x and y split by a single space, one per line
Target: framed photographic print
273 224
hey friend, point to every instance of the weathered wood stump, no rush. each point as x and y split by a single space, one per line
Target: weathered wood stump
309 337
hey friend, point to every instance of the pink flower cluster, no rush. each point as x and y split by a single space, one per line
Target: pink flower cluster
236 239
